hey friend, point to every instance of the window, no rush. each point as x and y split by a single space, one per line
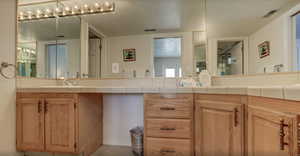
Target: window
170 72
296 36
167 57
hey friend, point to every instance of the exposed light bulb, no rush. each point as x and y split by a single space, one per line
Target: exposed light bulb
38 11
48 10
21 13
67 8
101 9
106 4
76 7
86 6
97 5
57 10
91 10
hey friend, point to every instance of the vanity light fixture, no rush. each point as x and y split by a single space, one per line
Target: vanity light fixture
75 10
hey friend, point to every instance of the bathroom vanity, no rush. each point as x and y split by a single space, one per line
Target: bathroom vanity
185 122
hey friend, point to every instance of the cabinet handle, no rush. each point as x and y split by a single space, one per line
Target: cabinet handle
168 129
282 134
236 117
167 109
167 151
46 106
39 106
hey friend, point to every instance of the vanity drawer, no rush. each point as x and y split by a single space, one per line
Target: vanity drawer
169 106
168 147
169 128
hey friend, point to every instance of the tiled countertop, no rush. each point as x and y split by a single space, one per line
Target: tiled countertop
290 92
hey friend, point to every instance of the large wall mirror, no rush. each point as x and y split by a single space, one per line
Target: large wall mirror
111 39
253 37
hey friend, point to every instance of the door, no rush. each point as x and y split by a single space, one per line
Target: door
219 128
271 133
60 124
30 124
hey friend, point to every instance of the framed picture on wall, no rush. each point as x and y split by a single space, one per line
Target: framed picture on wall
264 49
129 55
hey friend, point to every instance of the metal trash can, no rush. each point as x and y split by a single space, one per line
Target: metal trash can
137 134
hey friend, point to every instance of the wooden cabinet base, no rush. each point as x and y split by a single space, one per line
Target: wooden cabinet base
59 123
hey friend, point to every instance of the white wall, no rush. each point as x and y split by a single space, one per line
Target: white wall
144 53
7 87
121 113
278 32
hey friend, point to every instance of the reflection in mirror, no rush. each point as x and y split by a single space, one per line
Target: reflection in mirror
269 33
199 45
230 57
127 40
167 57
95 48
32 39
68 47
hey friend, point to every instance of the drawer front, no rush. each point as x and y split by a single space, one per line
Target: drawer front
179 106
168 147
169 128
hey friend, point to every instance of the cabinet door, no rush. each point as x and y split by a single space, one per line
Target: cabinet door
60 125
219 128
30 124
271 133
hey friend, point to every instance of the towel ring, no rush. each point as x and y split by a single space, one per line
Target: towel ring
5 65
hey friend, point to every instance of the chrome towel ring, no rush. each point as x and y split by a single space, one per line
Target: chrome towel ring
5 65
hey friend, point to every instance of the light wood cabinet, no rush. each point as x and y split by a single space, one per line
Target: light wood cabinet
169 125
59 123
272 127
30 123
219 125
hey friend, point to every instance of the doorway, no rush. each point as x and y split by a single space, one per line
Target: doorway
95 48
230 57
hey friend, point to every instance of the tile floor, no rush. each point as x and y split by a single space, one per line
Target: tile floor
114 151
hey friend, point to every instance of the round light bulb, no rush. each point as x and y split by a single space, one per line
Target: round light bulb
106 4
67 8
57 10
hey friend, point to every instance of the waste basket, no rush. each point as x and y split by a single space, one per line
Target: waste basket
137 140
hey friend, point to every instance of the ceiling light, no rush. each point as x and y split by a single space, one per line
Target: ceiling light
68 11
106 4
67 8
48 10
57 9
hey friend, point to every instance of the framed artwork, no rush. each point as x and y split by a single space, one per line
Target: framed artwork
264 49
129 55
